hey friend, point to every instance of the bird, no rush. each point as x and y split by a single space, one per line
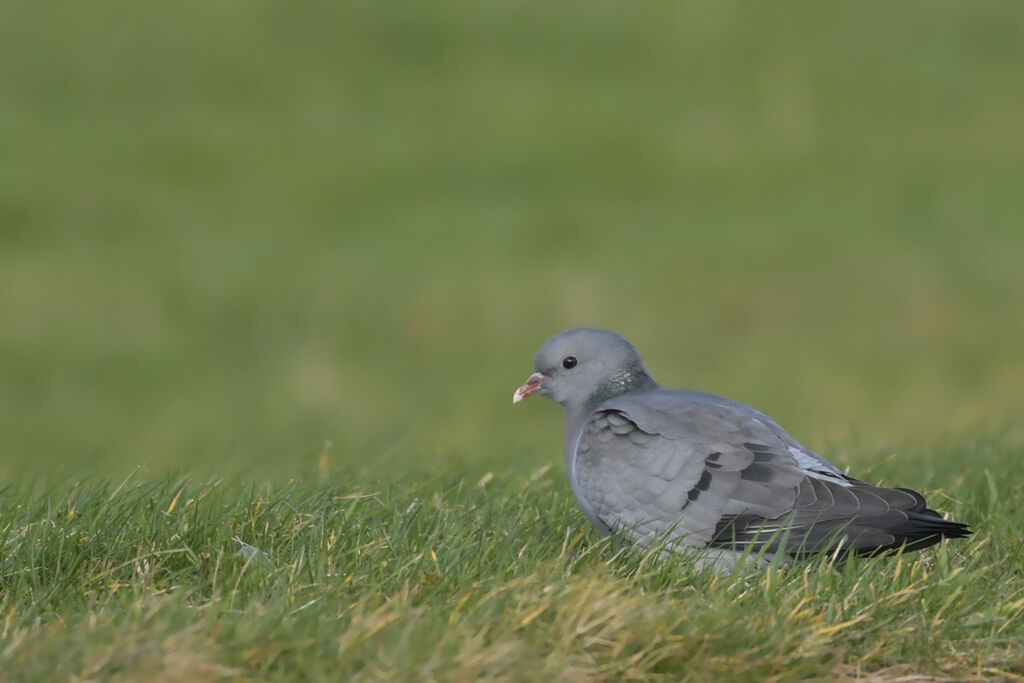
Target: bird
714 478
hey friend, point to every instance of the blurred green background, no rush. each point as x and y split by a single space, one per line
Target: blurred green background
233 231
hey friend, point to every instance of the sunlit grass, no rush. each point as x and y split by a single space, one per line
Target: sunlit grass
499 577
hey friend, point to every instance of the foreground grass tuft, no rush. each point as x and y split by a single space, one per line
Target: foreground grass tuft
496 579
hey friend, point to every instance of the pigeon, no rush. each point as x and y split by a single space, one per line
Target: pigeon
714 478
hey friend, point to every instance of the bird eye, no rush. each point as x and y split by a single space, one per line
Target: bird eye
569 363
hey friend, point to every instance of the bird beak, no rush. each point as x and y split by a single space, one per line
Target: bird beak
531 386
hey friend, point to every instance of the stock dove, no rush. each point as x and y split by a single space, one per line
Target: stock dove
713 477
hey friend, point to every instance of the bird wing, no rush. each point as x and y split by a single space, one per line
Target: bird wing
709 473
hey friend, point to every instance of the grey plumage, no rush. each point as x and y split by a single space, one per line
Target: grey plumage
716 477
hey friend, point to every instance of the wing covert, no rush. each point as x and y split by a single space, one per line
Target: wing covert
633 477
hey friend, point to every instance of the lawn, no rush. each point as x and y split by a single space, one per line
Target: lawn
269 275
497 578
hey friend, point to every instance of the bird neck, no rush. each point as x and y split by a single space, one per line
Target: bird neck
623 381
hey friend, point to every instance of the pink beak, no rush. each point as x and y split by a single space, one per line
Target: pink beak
531 386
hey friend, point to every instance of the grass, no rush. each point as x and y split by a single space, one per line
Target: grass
289 262
498 578
356 223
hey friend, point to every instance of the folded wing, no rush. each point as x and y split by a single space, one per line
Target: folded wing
710 475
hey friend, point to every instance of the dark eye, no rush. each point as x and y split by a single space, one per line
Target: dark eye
569 363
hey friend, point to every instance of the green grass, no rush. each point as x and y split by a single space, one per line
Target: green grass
456 579
308 250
